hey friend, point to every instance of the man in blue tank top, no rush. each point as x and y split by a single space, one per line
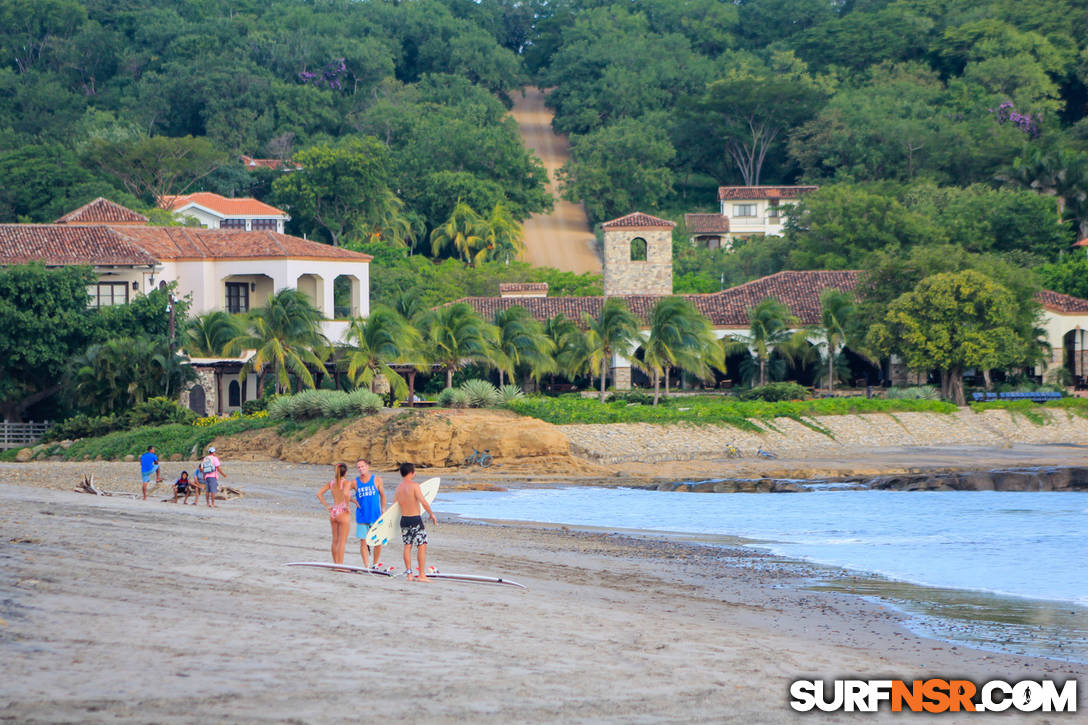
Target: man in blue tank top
370 502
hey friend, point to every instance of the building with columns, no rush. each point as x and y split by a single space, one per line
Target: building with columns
218 269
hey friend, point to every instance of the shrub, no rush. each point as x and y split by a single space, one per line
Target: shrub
774 392
635 397
481 394
158 411
510 392
916 392
83 426
453 398
308 404
363 402
279 408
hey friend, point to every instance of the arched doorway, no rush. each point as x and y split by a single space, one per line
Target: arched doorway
197 400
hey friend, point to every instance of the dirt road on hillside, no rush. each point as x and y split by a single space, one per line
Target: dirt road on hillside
563 238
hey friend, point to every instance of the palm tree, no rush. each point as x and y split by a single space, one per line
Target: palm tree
504 234
839 326
770 324
522 341
286 334
679 337
377 341
392 224
465 231
571 349
210 334
455 333
112 376
614 332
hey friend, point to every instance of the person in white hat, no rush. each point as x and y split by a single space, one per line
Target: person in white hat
211 470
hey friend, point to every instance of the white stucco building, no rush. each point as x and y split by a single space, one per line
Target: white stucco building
219 269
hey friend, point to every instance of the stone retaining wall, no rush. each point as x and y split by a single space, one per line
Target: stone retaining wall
648 443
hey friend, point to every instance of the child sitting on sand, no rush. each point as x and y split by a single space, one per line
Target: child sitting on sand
184 486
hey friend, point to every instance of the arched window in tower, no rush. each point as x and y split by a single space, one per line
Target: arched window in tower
638 249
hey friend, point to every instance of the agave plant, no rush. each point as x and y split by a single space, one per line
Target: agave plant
453 398
364 402
510 392
481 394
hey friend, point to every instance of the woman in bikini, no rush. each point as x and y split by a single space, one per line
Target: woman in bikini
339 517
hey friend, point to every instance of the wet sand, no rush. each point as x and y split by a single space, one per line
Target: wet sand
123 610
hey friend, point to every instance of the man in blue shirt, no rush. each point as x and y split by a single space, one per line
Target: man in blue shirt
149 463
370 502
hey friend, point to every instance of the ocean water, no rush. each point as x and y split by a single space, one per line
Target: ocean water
1032 545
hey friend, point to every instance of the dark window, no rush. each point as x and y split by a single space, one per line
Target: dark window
105 294
237 297
232 223
234 394
638 249
257 224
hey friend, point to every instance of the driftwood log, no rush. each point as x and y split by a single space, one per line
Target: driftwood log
87 486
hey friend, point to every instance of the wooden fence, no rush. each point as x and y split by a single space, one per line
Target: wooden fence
17 435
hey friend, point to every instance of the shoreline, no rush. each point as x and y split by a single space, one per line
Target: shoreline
99 593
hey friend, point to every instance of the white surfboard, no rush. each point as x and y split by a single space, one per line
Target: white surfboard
344 567
474 578
386 527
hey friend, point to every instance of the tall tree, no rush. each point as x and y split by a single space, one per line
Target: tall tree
286 335
749 114
465 232
44 323
455 334
522 341
112 376
375 342
680 336
340 188
152 167
614 332
210 334
839 326
950 322
770 326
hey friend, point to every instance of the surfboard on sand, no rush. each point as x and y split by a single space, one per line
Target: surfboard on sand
387 526
474 578
346 568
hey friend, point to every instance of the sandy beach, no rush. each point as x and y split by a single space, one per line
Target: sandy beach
124 610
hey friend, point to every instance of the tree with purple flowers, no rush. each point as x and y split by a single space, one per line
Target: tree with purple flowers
327 77
1006 113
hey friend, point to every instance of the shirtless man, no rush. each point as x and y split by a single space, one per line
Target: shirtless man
410 498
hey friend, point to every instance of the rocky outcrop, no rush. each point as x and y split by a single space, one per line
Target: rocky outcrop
427 438
1025 479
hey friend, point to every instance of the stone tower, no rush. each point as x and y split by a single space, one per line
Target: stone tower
638 255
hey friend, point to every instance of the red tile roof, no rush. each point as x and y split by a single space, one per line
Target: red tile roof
168 243
706 223
800 291
221 205
275 164
1057 302
638 220
515 287
102 211
59 244
124 243
763 192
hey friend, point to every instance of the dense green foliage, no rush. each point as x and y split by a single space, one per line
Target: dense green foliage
730 411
